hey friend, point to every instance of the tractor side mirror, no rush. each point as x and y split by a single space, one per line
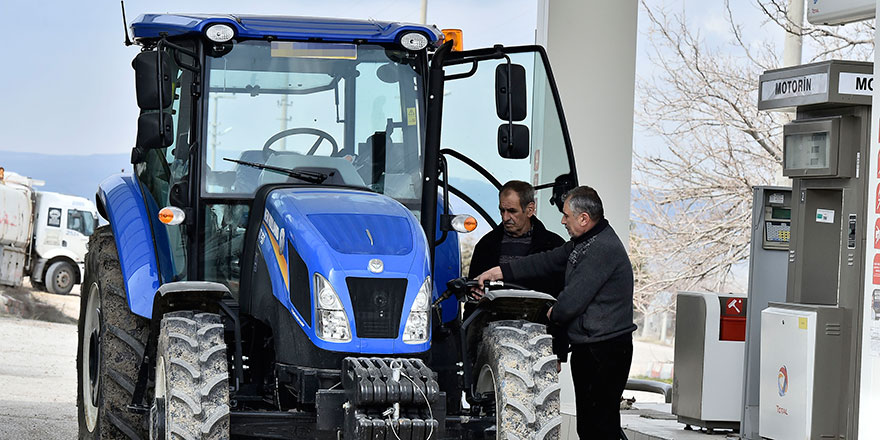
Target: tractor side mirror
510 92
513 145
155 130
152 76
562 185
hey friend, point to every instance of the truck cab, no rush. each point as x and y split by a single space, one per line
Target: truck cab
43 235
62 227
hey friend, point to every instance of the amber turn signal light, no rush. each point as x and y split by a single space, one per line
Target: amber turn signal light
464 223
171 215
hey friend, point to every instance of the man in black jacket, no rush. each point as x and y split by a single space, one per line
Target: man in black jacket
595 308
519 234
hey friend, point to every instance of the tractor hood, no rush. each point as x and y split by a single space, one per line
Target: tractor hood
369 247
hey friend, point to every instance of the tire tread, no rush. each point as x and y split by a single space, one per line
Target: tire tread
526 390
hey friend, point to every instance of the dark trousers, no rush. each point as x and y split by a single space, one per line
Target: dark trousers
599 371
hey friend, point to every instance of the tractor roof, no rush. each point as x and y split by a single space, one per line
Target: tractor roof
150 26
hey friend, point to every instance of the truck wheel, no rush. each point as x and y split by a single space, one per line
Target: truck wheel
192 392
111 345
515 361
60 278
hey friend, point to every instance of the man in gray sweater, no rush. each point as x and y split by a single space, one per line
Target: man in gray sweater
595 308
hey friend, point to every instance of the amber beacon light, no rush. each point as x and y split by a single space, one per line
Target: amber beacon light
456 36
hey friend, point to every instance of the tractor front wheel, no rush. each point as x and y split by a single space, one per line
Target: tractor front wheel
192 389
516 363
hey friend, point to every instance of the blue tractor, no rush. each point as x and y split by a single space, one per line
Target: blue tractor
282 260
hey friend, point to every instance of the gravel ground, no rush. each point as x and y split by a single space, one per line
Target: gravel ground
25 302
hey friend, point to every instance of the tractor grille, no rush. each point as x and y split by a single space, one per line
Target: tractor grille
377 303
298 276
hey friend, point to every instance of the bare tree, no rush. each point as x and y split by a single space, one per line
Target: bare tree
693 195
854 41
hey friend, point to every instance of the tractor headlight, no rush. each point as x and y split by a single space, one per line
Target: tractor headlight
419 321
219 33
414 40
331 322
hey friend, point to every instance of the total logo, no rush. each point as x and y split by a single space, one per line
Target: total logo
782 381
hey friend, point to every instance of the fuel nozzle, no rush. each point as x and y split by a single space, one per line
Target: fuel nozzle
456 286
442 298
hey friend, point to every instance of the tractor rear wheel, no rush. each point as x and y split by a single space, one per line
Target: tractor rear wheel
516 363
192 391
110 348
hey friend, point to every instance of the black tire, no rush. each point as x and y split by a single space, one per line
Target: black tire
60 278
192 388
111 345
516 362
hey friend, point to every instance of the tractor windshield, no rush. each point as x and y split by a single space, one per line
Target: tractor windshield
352 112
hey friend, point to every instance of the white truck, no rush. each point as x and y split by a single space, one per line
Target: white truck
43 235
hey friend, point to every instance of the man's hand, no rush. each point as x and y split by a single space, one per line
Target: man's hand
492 274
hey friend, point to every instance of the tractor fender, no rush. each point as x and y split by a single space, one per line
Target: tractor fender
121 199
528 304
203 296
500 294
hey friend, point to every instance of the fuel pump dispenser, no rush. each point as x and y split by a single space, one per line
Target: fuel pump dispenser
768 269
810 344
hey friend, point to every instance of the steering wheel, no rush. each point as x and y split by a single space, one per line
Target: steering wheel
321 134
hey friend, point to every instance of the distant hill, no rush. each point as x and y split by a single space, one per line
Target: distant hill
77 175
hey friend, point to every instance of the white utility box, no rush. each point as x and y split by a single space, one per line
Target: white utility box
709 357
801 348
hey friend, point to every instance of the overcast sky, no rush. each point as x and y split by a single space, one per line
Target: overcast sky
68 87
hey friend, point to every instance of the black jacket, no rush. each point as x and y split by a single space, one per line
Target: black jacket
487 253
597 301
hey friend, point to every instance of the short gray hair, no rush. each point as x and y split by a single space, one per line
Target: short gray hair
523 190
585 199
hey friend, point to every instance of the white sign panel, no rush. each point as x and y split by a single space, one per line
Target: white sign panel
806 85
856 84
839 11
824 216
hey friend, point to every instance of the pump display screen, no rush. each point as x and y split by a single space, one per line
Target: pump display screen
781 213
807 151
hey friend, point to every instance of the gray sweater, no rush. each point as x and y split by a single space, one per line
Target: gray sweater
597 301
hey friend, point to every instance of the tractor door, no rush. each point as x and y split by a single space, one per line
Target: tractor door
503 120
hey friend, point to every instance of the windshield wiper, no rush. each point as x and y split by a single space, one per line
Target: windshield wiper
308 176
